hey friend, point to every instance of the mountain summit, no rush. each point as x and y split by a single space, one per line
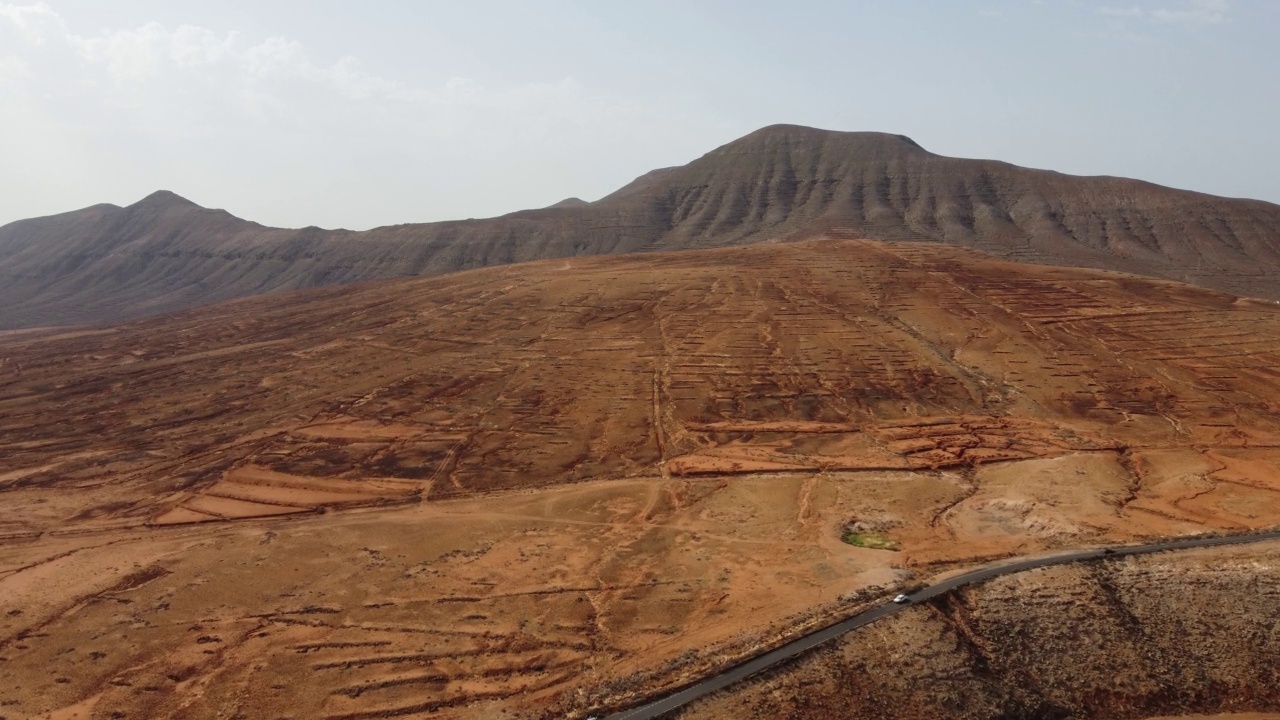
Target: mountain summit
800 136
780 182
164 199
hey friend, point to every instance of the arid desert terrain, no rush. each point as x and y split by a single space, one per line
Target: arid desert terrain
542 489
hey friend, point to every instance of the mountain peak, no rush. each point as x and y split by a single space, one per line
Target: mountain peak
572 202
164 199
773 136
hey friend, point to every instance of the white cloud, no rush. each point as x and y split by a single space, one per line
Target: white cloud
13 68
152 50
153 66
1191 14
35 23
1129 12
220 114
1197 13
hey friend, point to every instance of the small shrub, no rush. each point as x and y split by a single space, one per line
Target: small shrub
872 540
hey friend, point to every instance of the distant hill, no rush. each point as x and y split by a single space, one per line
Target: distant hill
164 253
572 202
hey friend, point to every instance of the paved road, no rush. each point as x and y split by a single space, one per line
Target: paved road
745 670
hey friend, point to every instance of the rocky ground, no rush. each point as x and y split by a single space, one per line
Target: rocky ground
532 489
1169 634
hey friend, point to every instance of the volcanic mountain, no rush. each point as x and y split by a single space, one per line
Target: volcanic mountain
108 263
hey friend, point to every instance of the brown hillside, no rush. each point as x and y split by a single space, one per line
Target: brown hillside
164 253
1136 638
533 488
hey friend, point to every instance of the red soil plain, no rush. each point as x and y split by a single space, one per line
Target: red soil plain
536 489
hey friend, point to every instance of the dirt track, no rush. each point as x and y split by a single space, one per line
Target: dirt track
500 488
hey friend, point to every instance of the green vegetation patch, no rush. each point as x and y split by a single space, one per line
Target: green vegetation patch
872 540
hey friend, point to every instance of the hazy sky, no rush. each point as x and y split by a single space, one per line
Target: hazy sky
357 114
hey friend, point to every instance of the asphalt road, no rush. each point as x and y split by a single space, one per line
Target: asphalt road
796 647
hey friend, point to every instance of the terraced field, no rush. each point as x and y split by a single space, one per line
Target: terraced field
531 488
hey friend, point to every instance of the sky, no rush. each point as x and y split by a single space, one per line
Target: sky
359 114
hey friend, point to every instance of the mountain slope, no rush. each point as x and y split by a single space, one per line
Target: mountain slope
521 491
164 253
791 179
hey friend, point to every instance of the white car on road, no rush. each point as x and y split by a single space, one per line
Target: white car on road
902 599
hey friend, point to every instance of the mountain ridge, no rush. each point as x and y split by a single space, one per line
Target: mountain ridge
107 263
